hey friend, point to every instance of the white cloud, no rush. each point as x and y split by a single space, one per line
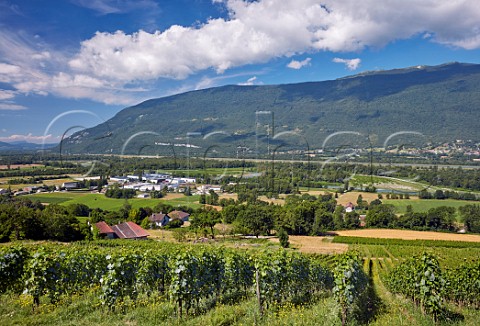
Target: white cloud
256 32
294 64
6 94
115 68
351 64
8 69
11 107
249 82
30 138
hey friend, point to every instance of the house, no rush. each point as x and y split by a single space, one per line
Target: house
129 230
349 207
159 219
104 230
179 215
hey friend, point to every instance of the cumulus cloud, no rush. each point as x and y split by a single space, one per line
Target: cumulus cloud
256 32
351 64
30 138
294 64
115 67
249 82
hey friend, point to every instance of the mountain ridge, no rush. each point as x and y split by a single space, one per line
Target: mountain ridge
438 101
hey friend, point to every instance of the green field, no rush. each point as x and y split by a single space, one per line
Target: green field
111 204
423 205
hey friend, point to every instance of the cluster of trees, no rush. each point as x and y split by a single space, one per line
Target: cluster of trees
435 219
210 199
23 219
301 215
117 192
447 194
452 178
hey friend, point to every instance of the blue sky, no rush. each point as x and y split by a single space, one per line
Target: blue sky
71 64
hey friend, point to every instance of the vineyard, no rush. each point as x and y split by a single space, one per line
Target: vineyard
164 283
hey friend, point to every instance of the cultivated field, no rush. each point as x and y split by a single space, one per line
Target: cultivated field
409 235
315 245
353 195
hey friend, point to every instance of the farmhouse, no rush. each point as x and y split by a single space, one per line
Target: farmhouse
179 215
159 219
127 230
104 230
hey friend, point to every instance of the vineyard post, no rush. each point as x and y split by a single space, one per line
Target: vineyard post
259 298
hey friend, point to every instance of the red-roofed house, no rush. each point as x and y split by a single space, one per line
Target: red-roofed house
127 230
105 230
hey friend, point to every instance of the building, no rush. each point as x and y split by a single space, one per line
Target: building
349 207
159 219
70 185
127 230
179 215
104 230
119 179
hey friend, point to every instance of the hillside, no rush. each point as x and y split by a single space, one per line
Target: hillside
441 102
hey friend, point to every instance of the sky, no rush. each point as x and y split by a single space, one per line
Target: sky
67 65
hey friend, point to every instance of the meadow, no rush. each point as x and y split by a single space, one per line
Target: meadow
94 200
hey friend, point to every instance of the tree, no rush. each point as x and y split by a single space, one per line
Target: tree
323 222
145 223
134 216
255 220
206 219
78 209
338 221
352 220
470 216
380 216
283 238
441 218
